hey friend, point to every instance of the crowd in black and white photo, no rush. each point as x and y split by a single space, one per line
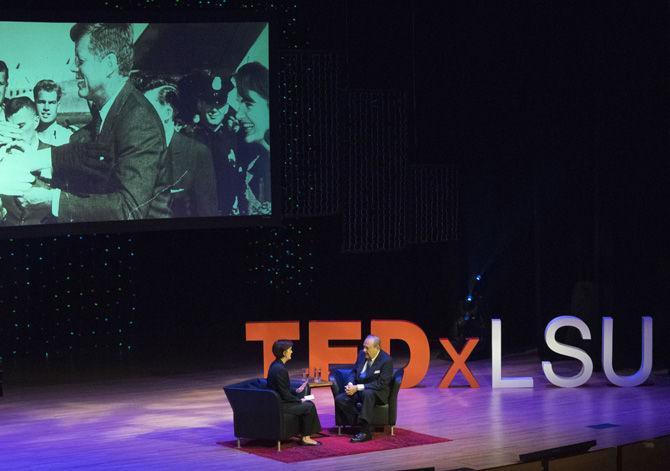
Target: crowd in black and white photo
156 145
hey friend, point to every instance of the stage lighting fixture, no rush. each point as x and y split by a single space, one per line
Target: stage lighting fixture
558 452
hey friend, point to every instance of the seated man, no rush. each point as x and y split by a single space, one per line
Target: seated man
372 375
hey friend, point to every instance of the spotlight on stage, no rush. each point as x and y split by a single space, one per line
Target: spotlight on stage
558 452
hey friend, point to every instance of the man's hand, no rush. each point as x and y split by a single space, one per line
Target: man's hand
27 160
350 389
35 196
16 147
15 179
9 133
301 388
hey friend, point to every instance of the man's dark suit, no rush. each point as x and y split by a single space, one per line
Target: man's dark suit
230 182
194 193
291 403
376 381
122 173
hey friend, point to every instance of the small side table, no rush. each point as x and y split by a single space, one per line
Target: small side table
321 384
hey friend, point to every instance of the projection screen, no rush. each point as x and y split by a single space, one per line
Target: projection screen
133 121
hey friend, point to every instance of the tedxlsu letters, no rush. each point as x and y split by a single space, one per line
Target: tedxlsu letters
321 354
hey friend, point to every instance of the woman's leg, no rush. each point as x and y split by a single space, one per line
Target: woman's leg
308 419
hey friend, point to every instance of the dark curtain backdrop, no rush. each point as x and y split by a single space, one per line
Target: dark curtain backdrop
426 142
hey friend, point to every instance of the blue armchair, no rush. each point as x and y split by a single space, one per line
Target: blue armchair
383 415
257 412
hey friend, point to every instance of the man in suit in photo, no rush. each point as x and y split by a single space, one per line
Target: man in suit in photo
369 385
121 173
194 192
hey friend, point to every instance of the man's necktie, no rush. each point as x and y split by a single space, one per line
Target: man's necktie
364 371
96 120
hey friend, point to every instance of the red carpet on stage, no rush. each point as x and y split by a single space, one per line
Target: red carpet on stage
334 445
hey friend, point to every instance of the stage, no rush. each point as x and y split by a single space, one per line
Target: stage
178 422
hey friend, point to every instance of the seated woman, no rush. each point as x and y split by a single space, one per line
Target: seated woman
292 403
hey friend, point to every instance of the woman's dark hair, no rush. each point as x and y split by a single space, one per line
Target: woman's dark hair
280 346
254 77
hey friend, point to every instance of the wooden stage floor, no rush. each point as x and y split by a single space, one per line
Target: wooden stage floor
175 422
